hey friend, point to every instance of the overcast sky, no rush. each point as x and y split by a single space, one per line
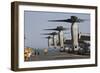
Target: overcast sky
36 21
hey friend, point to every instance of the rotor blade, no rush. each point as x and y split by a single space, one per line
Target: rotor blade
58 29
51 29
65 20
53 33
68 20
66 28
80 20
46 34
47 37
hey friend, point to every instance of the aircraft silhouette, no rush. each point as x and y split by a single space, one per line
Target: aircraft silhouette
74 29
49 41
54 38
60 30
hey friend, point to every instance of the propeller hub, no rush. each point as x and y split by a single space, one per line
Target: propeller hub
74 18
60 28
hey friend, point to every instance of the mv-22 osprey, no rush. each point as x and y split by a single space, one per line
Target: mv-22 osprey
51 39
74 30
60 35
